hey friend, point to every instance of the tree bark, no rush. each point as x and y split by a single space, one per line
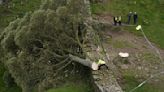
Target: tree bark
85 62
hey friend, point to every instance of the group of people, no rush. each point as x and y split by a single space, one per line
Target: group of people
135 17
118 19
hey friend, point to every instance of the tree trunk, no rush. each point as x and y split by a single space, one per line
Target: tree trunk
85 62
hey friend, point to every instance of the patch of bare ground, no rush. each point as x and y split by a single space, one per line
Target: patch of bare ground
143 61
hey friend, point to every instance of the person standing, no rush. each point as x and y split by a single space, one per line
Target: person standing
135 17
119 20
129 17
115 20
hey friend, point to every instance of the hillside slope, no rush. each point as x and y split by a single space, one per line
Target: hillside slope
151 15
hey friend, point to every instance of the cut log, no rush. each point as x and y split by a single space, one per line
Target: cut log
85 62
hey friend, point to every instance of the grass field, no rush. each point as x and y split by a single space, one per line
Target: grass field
17 9
131 82
71 87
151 15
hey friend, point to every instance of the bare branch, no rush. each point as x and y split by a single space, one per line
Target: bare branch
85 62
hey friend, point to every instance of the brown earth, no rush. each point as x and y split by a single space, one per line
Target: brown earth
143 61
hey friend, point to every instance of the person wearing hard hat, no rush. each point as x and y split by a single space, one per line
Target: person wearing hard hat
99 59
97 65
102 63
115 20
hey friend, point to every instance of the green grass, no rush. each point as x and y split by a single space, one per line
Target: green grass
151 15
16 10
150 58
131 82
121 44
71 87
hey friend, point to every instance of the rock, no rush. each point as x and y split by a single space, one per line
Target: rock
124 66
136 76
1 1
66 75
156 80
96 78
156 68
139 67
146 69
117 89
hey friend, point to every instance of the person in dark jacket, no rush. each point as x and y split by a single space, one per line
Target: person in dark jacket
129 17
115 20
119 20
135 17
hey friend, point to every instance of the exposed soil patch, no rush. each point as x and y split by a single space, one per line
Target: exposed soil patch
143 61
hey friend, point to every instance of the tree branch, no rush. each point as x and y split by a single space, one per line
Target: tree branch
85 62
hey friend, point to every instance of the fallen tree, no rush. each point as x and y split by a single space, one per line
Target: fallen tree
35 48
39 48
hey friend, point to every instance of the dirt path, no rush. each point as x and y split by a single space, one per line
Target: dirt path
142 63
